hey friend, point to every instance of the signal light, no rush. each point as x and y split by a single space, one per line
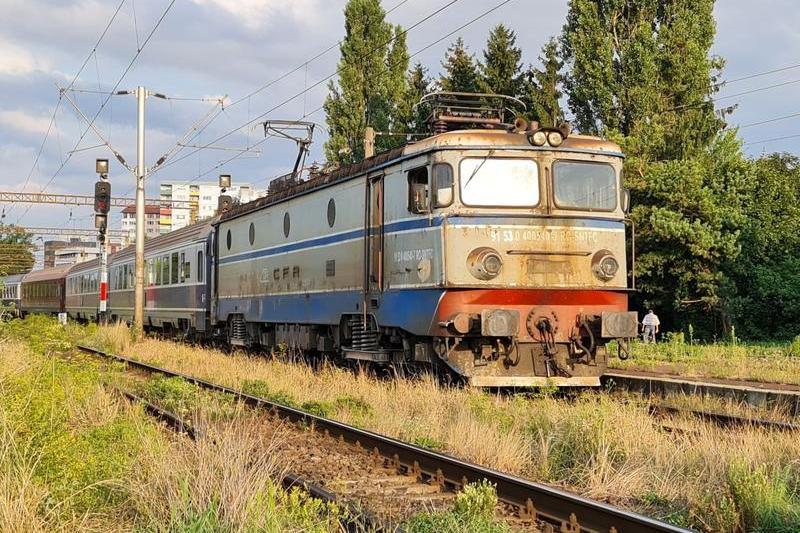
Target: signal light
102 197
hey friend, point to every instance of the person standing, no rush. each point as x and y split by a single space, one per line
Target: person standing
650 325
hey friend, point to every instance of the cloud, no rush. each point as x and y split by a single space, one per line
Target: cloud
23 122
254 14
17 61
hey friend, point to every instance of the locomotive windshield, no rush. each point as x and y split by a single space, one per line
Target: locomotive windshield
499 182
582 185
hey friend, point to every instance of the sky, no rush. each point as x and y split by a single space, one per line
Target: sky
203 50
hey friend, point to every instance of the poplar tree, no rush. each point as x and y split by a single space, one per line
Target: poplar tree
371 83
642 73
643 68
541 87
460 71
500 72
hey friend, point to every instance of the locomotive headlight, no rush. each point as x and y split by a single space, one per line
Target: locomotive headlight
554 138
604 265
538 138
484 263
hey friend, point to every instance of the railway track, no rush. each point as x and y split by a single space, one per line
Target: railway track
755 394
533 505
355 519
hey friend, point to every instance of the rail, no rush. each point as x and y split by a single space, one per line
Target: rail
534 501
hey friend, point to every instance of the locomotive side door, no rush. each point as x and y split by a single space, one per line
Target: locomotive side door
373 238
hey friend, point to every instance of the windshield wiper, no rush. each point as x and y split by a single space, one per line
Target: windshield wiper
474 172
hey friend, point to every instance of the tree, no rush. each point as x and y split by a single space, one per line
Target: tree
643 68
371 81
688 218
16 250
419 85
500 71
541 88
767 299
460 71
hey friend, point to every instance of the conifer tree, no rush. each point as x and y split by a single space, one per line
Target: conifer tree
500 71
419 85
460 71
371 82
541 88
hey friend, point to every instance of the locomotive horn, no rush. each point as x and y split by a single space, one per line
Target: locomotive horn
520 125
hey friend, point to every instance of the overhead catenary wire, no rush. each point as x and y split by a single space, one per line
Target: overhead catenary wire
417 52
330 76
108 97
286 74
71 83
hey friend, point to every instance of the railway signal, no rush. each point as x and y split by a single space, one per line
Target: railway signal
102 203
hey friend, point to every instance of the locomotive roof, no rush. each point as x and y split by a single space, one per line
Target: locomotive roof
183 235
47 274
452 140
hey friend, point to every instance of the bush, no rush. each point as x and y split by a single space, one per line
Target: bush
473 512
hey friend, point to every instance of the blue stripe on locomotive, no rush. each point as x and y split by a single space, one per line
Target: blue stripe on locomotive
409 309
419 223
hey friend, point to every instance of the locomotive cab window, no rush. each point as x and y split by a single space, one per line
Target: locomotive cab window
418 190
499 182
442 185
585 185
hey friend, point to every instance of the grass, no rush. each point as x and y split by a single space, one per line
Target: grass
773 363
705 477
76 457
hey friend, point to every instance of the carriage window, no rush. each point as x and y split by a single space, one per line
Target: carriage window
418 190
164 269
185 268
131 276
175 265
150 276
157 269
584 185
200 266
442 184
499 182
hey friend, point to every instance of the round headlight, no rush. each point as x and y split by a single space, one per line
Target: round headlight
554 138
604 265
537 138
484 263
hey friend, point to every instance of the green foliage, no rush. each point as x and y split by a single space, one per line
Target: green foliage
372 87
767 500
419 85
541 88
183 398
460 71
644 69
16 250
261 388
688 215
473 512
501 67
77 462
429 442
44 335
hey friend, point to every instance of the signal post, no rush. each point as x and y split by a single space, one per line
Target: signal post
102 203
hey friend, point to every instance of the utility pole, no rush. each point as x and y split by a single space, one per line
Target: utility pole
369 142
138 302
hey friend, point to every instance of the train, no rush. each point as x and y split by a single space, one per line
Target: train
496 254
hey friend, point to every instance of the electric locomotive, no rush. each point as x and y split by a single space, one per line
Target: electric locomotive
496 252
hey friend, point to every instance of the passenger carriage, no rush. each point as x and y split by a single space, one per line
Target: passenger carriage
83 291
177 272
11 293
43 291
